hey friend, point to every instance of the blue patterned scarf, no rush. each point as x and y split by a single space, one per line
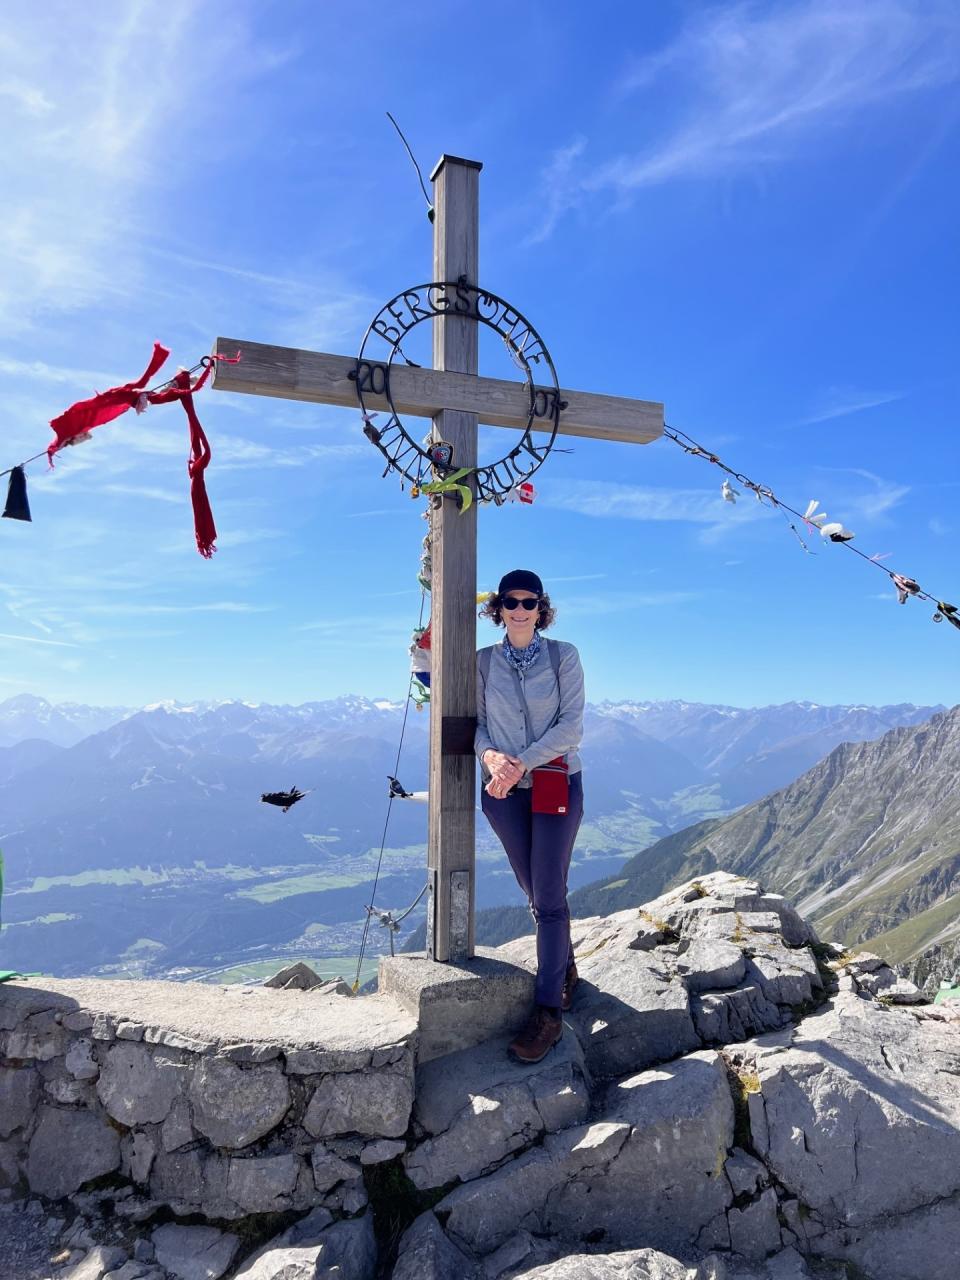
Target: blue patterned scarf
522 658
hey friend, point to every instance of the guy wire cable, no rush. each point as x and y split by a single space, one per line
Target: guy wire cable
386 823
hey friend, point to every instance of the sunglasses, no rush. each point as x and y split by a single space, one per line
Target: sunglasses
511 602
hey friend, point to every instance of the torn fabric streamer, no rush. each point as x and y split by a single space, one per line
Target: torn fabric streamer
17 507
103 407
182 390
904 586
812 518
728 492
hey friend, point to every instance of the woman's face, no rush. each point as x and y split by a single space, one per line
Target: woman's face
520 621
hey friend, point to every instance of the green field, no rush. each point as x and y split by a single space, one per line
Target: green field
342 874
144 876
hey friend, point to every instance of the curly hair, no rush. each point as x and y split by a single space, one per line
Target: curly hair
493 610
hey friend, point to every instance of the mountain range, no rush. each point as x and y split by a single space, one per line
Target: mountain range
135 840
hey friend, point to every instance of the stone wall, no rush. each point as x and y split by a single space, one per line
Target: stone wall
219 1101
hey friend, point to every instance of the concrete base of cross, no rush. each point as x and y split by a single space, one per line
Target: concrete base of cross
461 1004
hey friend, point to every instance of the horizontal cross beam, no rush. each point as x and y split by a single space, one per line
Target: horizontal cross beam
292 374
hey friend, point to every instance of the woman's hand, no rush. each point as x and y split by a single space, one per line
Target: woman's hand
506 770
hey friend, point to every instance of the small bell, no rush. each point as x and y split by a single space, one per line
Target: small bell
17 508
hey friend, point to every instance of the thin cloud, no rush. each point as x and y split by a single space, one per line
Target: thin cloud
95 134
628 600
762 83
85 380
562 192
219 606
865 506
59 644
142 491
598 499
840 402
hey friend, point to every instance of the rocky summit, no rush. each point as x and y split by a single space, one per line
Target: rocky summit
732 1099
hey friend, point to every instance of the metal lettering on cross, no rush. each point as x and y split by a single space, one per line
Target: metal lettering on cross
457 399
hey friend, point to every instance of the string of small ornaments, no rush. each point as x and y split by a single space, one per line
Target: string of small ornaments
814 522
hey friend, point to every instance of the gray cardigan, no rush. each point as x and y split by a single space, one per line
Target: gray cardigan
500 720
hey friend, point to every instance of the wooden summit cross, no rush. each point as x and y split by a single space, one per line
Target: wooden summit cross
457 399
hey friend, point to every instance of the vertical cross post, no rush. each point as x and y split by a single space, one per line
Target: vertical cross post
451 824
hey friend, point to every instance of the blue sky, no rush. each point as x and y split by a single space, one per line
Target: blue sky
748 212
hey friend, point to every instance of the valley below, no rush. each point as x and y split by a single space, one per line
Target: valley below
135 843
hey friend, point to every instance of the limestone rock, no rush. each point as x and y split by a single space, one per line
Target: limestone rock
96 1264
492 1126
19 1090
329 1169
133 1270
295 977
80 1061
63 1088
375 1103
916 1246
722 1017
177 1175
425 1253
631 1264
746 1173
709 963
139 1150
345 1250
381 1150
666 1181
787 1264
260 1184
520 1254
754 1229
194 1253
233 1105
39 1036
138 1084
480 1107
482 1214
629 1010
860 1116
177 1130
878 979
67 1149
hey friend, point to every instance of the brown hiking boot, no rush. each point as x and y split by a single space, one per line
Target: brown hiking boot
569 984
538 1037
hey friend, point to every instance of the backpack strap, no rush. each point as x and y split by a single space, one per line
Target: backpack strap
483 658
554 651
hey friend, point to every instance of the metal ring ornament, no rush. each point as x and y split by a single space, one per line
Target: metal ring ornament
394 321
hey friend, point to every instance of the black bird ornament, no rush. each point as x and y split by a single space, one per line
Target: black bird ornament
283 799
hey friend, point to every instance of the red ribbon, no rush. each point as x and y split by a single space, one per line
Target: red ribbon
182 390
102 407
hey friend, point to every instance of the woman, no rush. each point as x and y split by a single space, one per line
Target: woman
529 712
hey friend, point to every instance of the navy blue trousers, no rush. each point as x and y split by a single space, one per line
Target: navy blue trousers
539 846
